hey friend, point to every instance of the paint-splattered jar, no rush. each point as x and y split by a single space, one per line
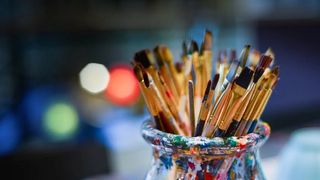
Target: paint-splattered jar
200 158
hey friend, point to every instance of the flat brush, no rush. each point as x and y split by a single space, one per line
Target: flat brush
268 86
244 56
264 62
237 94
202 115
231 74
254 59
168 58
145 58
237 125
168 122
222 70
165 72
168 97
216 112
147 98
210 101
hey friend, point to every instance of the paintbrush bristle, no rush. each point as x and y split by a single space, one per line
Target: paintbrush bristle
215 80
145 58
185 51
194 47
179 67
244 78
244 55
166 54
233 55
232 70
138 73
265 61
254 58
207 40
158 56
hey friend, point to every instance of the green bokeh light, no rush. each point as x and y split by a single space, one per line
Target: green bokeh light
61 120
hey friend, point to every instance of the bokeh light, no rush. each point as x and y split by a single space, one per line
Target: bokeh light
94 78
123 88
61 120
10 134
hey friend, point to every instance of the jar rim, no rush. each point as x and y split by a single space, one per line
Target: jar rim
183 143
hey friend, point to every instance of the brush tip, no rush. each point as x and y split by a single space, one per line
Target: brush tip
144 57
244 78
232 70
233 55
179 67
194 46
265 61
244 55
167 55
138 73
207 45
215 80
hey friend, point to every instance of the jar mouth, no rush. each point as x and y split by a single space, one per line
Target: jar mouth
174 142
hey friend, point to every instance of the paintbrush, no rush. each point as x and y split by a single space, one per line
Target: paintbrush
244 56
268 87
173 107
263 64
222 66
210 102
147 98
171 124
231 74
168 58
216 112
202 115
207 52
198 77
165 72
237 94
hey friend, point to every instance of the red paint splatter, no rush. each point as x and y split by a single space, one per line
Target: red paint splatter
191 165
156 141
242 145
208 176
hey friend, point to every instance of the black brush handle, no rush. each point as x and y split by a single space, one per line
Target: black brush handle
232 128
219 133
253 126
199 128
247 127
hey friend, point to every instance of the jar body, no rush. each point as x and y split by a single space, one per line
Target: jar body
178 157
245 165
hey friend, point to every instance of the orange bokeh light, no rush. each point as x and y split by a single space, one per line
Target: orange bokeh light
123 88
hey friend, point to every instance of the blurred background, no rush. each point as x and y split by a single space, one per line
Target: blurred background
62 63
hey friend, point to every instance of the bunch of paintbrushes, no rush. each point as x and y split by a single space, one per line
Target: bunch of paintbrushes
187 98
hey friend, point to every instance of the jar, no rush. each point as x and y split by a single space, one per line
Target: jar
177 157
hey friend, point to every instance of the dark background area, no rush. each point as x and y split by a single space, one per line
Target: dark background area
45 44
